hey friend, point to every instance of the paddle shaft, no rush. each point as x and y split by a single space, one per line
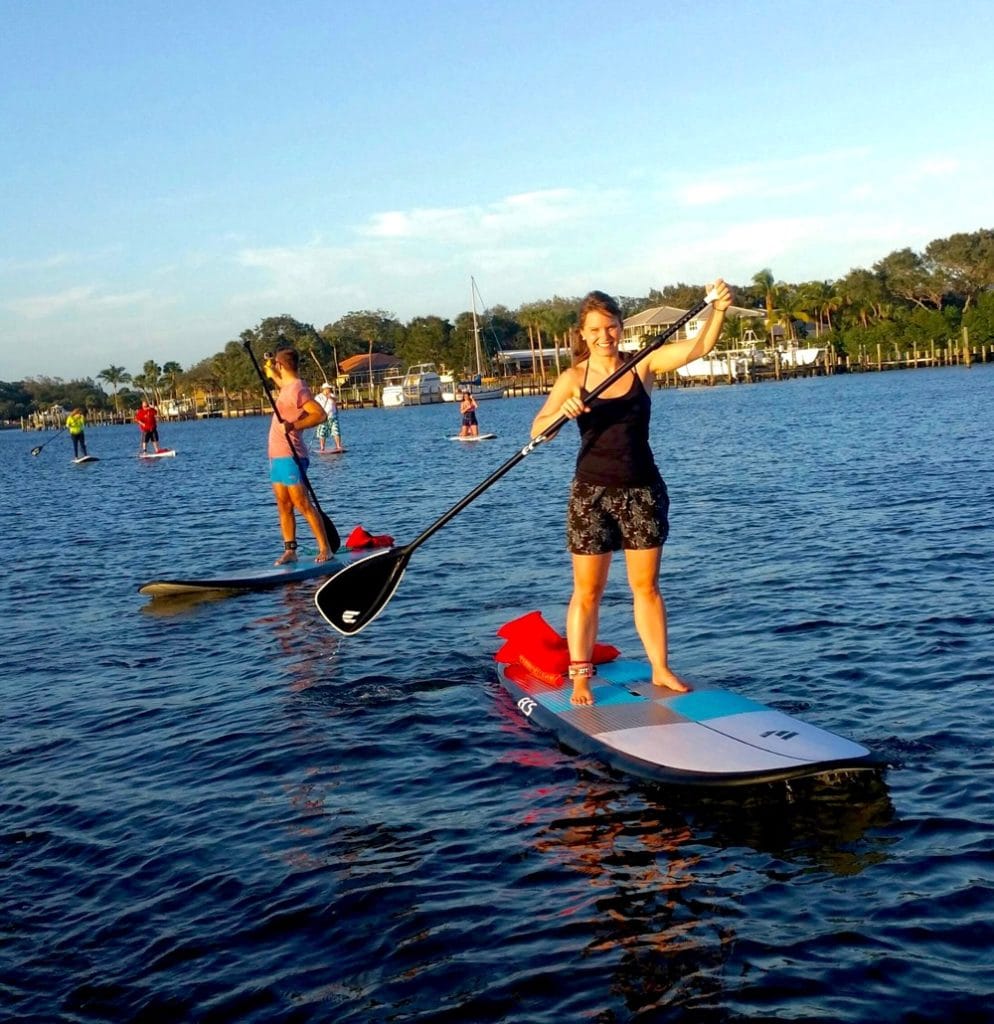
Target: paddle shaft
555 427
38 448
334 541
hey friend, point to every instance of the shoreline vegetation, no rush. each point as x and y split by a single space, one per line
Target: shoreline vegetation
911 309
520 386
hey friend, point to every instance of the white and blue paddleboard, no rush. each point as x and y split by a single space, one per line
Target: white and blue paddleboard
705 737
473 437
267 579
84 459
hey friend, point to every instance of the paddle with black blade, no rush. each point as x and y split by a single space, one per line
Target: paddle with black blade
352 598
38 447
334 541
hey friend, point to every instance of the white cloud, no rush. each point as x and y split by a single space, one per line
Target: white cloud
58 259
38 307
511 216
938 167
80 300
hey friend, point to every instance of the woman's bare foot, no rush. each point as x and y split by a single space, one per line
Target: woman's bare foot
322 556
581 693
670 680
286 558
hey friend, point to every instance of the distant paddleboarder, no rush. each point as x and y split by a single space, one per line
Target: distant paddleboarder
76 425
468 406
330 428
147 418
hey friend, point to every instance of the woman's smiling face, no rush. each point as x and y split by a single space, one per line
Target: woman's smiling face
601 331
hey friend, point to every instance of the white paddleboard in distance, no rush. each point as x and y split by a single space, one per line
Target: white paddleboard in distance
266 579
164 453
83 459
477 437
707 737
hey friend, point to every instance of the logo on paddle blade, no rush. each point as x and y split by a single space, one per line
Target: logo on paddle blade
349 617
783 734
526 705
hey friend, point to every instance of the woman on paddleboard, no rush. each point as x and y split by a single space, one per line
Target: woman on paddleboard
299 412
618 500
468 406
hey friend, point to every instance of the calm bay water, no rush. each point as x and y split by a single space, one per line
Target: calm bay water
222 811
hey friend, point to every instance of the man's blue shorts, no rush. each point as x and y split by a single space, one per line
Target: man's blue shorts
284 471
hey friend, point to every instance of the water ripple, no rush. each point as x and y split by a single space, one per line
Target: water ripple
219 810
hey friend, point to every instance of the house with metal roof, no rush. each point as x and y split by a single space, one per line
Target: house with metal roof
640 327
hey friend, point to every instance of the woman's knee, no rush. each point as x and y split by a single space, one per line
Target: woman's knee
644 586
588 593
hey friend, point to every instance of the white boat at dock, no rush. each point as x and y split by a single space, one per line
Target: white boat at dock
422 385
392 396
718 367
800 357
475 386
746 363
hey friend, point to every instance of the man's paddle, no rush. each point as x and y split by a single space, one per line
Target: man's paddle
334 541
38 447
352 598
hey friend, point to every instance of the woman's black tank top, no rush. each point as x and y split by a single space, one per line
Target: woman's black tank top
614 440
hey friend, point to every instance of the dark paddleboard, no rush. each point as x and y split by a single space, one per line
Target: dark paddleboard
329 451
267 579
84 459
706 737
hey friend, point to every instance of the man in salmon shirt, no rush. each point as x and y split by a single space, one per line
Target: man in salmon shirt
299 412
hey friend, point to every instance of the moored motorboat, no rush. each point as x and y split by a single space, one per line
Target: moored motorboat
422 385
392 395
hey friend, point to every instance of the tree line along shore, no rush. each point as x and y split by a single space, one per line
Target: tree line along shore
928 308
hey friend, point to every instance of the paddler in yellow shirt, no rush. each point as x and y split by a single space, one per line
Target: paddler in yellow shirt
76 424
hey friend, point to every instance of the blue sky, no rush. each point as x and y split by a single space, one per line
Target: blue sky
173 173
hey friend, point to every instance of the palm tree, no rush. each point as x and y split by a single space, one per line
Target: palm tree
793 307
170 377
863 296
767 285
114 376
819 299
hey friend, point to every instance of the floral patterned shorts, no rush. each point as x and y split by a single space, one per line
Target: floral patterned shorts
603 519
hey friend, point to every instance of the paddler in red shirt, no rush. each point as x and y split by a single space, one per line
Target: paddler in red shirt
147 419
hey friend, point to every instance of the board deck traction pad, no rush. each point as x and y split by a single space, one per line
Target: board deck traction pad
705 736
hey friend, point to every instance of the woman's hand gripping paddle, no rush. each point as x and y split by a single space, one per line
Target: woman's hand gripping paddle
334 541
352 598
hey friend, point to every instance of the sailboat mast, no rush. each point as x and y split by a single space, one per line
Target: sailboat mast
476 330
